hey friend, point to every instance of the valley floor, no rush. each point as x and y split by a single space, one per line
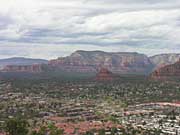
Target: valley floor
82 107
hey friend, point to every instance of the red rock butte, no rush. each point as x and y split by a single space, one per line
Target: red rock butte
104 75
169 72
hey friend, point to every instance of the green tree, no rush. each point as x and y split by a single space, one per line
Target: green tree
41 131
89 133
157 132
53 130
101 132
113 119
16 126
48 130
114 131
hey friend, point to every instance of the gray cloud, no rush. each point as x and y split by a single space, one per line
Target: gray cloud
123 25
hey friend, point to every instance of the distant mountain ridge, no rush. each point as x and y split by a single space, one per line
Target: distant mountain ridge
92 61
21 61
117 62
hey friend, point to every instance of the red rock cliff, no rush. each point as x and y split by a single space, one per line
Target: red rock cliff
36 68
169 72
104 75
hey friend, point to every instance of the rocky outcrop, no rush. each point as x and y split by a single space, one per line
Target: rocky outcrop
104 75
35 68
169 72
162 60
90 61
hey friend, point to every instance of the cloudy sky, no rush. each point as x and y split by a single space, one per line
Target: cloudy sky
52 28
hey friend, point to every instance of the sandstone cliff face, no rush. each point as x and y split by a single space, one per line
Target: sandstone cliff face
23 68
169 72
91 61
164 59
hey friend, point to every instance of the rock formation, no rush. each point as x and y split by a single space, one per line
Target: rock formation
164 60
35 68
169 72
104 75
89 61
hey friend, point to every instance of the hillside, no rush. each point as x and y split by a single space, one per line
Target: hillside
164 59
91 61
169 72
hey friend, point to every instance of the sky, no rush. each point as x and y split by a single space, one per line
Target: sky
54 28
